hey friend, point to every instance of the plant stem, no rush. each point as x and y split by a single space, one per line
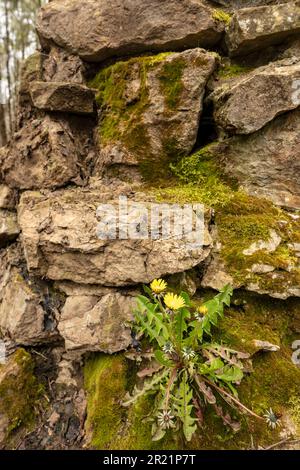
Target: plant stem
170 383
235 400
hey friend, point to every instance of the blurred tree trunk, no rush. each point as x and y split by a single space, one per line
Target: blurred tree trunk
7 62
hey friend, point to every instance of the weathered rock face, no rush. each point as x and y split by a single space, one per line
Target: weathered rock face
127 27
63 97
9 229
8 197
154 114
60 66
45 153
59 234
252 101
267 163
90 323
253 28
22 316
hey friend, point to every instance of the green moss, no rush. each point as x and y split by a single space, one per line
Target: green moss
241 219
122 109
171 82
223 16
109 425
199 179
233 70
104 382
247 219
19 392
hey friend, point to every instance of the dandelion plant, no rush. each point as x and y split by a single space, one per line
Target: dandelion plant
192 371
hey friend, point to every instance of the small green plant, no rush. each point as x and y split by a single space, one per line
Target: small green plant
191 370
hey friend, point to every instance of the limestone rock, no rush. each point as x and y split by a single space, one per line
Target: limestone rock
9 229
268 246
42 154
63 97
60 66
278 284
96 30
265 346
155 115
267 163
254 100
253 28
59 233
8 197
27 313
97 324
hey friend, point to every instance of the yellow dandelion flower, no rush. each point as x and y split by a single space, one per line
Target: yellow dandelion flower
158 286
173 301
203 310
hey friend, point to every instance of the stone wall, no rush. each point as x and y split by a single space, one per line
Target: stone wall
160 101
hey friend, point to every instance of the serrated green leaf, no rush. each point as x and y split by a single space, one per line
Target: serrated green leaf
184 409
161 358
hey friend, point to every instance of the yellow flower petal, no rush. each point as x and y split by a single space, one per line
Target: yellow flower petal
158 286
173 301
203 310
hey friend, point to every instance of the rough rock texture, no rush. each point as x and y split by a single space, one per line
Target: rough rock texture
267 163
154 115
9 229
45 153
63 97
60 66
253 28
8 197
90 323
59 234
127 27
252 101
22 303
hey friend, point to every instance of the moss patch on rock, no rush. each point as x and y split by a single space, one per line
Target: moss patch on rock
222 16
19 393
109 425
122 108
241 220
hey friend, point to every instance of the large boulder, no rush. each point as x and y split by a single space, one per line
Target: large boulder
249 102
45 153
96 30
9 229
267 163
150 110
253 28
91 323
59 234
63 97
